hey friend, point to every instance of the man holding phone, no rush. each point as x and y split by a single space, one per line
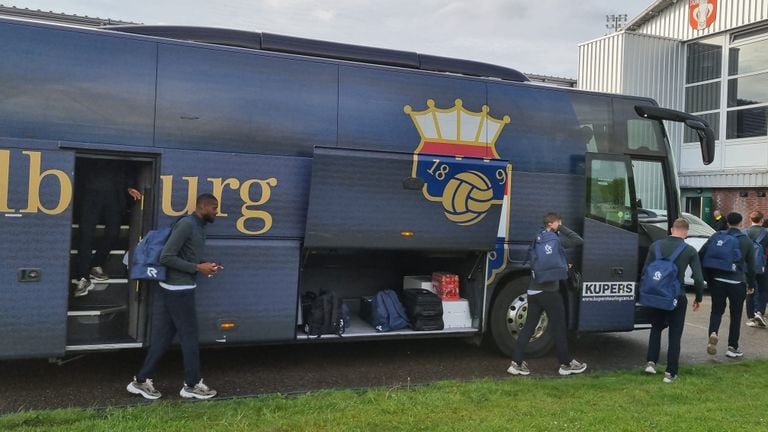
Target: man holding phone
174 307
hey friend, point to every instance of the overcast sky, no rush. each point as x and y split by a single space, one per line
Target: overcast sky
539 36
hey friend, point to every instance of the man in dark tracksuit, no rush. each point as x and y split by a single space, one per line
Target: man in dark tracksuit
730 286
546 297
757 298
719 223
174 308
102 187
676 317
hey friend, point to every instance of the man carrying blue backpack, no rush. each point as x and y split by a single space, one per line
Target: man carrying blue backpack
549 266
662 288
730 274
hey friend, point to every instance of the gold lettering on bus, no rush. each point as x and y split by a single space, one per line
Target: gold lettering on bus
218 189
5 167
36 178
189 206
248 211
261 189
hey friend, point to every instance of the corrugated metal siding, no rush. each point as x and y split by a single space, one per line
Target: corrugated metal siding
721 180
656 70
673 21
601 64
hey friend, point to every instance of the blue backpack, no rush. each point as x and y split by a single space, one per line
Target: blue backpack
758 251
659 285
723 252
547 257
145 259
390 314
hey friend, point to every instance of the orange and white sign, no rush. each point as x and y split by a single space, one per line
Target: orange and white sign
702 13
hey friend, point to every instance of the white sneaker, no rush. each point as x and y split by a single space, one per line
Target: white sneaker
734 352
669 378
752 323
98 274
83 286
712 344
760 320
146 389
650 368
199 391
574 367
519 369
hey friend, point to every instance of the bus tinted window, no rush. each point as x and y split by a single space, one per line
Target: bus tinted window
74 86
595 120
238 102
544 134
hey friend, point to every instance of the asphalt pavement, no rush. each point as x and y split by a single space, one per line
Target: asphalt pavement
99 380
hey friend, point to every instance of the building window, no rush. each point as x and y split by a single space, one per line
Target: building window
741 97
704 60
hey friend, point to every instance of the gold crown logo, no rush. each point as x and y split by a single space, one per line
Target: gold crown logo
473 133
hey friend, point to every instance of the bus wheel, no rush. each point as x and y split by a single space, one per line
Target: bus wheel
508 315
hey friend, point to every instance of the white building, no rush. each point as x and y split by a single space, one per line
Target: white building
709 58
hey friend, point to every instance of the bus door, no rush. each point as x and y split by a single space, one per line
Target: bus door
35 207
610 252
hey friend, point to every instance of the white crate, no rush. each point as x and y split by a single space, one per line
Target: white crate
456 313
414 282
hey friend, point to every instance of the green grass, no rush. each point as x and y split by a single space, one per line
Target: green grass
705 398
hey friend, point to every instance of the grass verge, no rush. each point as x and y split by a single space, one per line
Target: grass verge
711 397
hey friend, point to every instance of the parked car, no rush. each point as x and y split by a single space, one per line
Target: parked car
698 232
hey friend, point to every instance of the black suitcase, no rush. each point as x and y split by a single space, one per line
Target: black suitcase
427 323
421 303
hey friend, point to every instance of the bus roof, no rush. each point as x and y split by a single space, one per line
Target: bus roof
324 49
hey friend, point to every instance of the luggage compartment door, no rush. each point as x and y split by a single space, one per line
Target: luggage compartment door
35 209
386 200
609 259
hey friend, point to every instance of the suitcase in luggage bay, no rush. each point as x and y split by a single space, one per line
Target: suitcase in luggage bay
422 303
429 323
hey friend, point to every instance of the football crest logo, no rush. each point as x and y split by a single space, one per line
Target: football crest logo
466 190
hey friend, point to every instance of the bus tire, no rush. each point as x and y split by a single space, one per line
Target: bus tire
508 315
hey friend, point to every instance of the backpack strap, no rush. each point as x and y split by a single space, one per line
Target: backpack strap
761 236
678 251
673 256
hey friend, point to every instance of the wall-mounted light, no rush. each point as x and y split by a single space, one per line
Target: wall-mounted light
761 194
743 194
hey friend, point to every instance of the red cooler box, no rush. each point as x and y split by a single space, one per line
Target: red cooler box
446 285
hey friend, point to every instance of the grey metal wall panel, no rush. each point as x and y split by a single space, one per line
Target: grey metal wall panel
601 64
258 289
674 22
33 315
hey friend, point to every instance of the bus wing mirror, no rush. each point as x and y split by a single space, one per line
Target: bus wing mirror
699 125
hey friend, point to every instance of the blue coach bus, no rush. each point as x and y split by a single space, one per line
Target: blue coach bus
336 167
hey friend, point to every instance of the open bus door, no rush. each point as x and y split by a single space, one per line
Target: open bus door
609 259
35 206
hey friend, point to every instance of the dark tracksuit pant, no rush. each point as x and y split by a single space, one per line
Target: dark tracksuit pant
552 304
675 319
757 301
735 294
174 314
97 205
